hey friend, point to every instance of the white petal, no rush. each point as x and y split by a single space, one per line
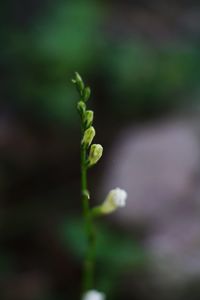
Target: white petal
94 295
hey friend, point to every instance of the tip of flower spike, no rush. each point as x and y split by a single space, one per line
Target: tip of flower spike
78 81
94 295
78 76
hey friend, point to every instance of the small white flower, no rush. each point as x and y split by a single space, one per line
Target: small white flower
116 198
94 295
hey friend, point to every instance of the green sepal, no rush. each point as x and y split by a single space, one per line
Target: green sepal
81 107
86 93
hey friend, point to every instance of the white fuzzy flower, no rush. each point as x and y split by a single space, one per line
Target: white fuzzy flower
116 198
94 295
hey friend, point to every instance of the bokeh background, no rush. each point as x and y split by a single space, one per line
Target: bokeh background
142 61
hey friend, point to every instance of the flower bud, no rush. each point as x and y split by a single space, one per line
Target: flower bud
88 118
95 154
86 94
78 81
94 295
116 198
88 136
81 107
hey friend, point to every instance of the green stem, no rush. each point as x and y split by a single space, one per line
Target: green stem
84 190
88 271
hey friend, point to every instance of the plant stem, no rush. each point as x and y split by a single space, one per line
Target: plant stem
88 268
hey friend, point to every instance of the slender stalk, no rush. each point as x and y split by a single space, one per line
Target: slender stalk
88 268
84 189
94 152
90 155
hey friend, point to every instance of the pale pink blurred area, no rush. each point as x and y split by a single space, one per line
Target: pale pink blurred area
158 165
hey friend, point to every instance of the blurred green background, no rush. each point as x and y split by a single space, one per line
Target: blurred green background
142 61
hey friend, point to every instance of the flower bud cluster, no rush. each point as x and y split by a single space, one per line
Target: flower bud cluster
87 116
117 197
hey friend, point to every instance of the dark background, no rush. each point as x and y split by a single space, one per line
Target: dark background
142 61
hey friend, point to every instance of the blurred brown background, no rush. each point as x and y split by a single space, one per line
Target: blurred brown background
142 61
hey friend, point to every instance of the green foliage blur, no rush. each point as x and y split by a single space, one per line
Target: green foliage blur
115 254
139 76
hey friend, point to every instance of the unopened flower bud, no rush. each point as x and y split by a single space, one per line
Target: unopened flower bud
81 107
88 118
88 136
78 81
116 198
95 154
86 93
94 295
